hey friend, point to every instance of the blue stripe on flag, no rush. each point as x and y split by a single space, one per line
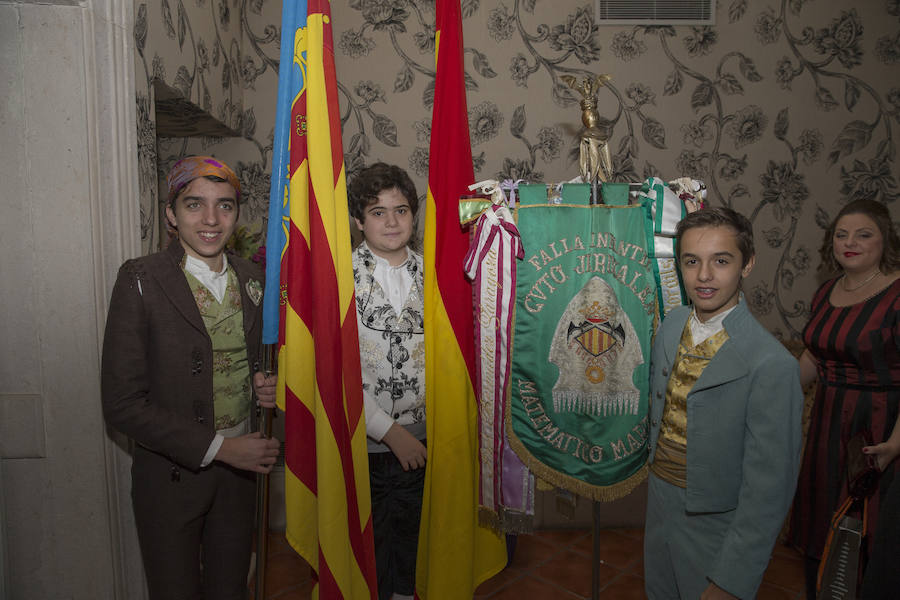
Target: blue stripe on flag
290 82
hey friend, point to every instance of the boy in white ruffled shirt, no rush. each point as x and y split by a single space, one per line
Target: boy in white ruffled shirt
390 306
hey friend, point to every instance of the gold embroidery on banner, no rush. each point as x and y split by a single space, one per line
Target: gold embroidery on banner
595 342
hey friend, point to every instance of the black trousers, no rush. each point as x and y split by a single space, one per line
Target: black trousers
195 528
396 513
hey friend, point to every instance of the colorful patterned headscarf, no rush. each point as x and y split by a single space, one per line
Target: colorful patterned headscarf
190 168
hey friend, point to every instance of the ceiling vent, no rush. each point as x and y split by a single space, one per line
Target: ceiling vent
655 12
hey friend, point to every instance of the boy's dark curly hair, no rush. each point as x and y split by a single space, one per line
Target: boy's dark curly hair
373 180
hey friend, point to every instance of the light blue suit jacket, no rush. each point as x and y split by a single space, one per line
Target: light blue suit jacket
743 439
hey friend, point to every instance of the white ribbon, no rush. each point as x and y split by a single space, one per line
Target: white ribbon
491 265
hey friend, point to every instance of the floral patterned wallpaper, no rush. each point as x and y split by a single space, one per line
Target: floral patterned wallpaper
786 109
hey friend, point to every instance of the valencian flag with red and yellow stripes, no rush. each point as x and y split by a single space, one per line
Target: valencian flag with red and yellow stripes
456 553
320 387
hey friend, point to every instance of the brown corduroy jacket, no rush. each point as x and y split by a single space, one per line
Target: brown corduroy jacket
156 373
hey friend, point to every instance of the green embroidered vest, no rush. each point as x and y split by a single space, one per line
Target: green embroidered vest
670 459
231 370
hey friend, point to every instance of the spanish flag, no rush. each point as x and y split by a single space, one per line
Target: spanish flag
455 552
320 387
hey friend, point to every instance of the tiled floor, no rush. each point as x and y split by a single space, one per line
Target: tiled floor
553 564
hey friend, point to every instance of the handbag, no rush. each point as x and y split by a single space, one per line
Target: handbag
862 470
838 576
839 570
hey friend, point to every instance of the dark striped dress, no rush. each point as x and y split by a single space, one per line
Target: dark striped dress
857 348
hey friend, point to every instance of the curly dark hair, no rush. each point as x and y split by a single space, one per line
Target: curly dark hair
373 180
878 212
719 216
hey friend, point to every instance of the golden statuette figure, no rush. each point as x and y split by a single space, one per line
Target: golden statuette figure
594 159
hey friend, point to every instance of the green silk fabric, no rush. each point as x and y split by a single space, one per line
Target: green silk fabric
231 370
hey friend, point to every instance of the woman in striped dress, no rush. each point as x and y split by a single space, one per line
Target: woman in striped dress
853 353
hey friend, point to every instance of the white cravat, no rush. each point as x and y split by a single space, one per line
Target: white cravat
700 331
215 282
395 281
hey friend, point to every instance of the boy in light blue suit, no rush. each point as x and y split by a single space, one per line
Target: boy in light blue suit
724 425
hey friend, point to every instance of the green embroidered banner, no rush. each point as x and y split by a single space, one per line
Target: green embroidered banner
585 305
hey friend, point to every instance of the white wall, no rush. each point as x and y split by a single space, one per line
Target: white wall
68 175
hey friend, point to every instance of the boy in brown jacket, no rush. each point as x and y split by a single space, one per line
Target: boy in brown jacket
180 353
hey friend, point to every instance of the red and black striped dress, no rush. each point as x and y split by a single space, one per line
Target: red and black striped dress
857 348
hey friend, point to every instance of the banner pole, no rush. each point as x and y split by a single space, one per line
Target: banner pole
262 485
595 555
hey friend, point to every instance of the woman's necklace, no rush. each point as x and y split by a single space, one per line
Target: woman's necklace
867 280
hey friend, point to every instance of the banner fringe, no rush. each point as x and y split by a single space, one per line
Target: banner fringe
601 493
507 521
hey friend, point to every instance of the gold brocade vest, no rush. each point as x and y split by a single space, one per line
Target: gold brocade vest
670 459
231 370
